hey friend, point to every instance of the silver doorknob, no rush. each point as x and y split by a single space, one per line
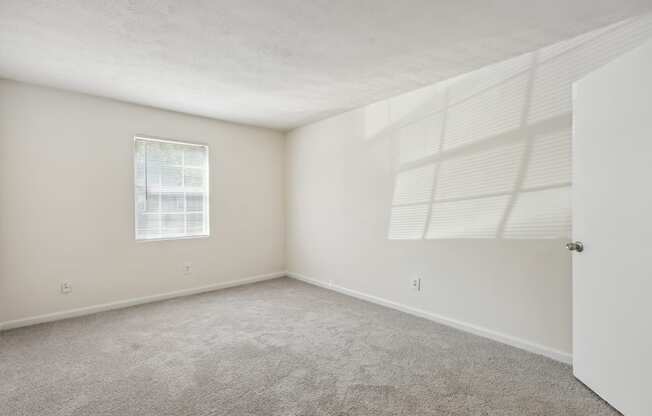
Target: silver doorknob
575 246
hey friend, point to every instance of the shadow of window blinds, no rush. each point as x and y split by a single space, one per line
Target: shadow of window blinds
491 156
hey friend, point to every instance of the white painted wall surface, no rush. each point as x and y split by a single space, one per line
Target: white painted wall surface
66 203
492 149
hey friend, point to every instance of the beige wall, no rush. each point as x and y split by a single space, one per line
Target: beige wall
465 184
66 203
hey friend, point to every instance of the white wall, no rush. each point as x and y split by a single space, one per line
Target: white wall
464 183
66 203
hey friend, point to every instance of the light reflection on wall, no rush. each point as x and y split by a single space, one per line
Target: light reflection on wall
488 154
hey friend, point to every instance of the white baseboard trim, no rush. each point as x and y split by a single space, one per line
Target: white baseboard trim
463 326
87 310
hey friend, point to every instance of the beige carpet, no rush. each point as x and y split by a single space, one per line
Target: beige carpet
279 347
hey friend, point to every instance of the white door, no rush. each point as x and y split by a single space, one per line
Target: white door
612 217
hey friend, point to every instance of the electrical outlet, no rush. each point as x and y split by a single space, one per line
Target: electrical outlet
416 284
187 268
66 287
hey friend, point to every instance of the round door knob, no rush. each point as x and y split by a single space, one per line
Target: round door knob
575 246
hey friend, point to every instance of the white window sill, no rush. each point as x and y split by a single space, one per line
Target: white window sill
190 237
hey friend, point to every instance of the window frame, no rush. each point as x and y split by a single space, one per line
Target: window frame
135 190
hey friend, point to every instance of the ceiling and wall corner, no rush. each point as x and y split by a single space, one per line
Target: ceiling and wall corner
278 64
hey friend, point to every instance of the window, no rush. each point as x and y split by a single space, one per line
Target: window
171 189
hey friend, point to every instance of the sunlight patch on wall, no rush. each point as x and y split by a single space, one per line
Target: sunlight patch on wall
408 222
484 79
496 160
550 160
420 139
414 185
471 218
487 114
487 172
541 214
417 104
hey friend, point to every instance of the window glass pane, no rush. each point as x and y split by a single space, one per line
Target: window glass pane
152 202
194 202
172 154
141 164
195 223
152 174
171 189
194 177
140 199
148 225
194 156
153 153
172 202
171 176
172 224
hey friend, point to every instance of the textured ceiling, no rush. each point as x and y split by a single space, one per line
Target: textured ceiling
280 63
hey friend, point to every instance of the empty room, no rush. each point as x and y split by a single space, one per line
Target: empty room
308 207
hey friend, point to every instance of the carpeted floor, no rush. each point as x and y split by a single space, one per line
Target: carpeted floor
279 347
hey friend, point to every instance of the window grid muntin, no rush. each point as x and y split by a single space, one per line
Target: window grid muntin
161 189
